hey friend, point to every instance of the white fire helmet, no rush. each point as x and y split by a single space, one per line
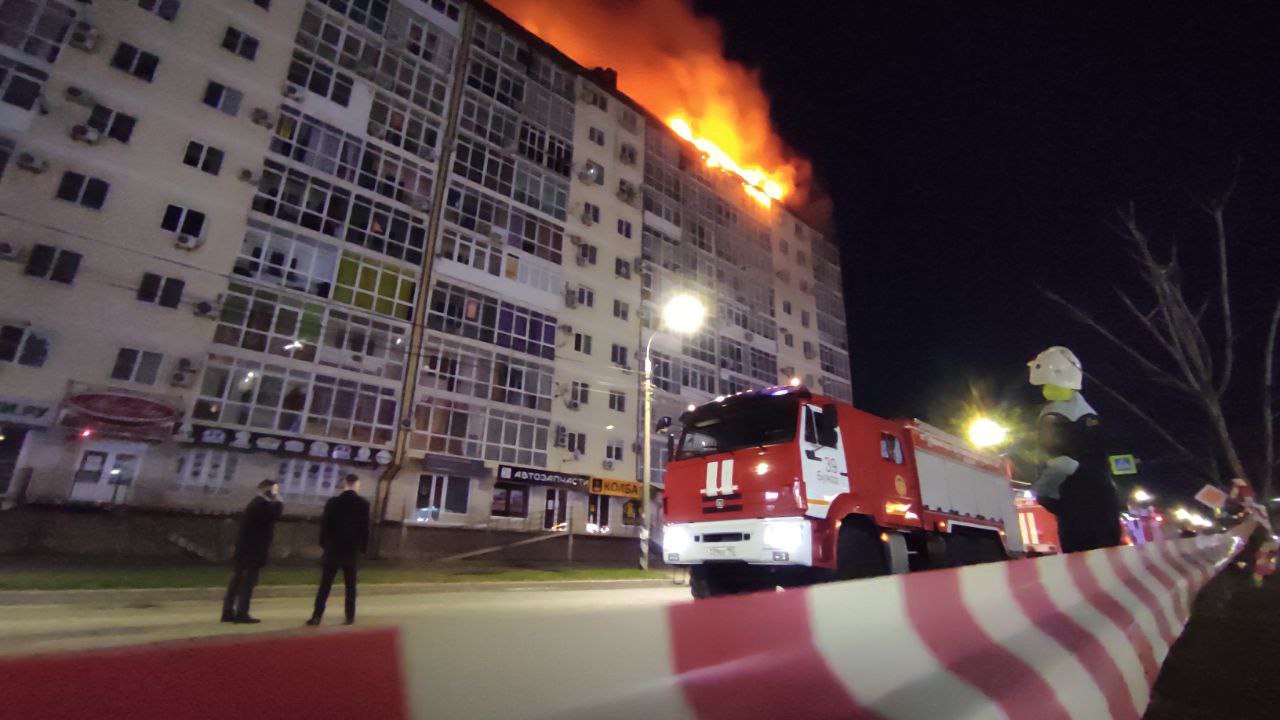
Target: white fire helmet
1057 366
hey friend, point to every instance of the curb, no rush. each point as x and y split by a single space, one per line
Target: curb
134 596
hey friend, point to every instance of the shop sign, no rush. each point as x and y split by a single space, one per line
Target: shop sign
119 408
284 445
544 477
21 411
620 488
446 465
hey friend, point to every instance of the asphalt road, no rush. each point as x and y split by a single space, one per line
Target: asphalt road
128 618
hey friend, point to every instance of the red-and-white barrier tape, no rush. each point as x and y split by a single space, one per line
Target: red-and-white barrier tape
1069 636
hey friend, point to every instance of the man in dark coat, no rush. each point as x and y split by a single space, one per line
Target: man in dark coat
344 536
252 545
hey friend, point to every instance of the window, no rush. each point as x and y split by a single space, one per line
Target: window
617 400
53 263
20 345
622 268
279 257
35 27
204 157
592 173
19 82
510 500
586 296
663 373
112 123
163 291
580 392
138 63
786 306
184 221
437 493
222 98
598 513
891 448
587 254
590 211
784 246
788 339
320 78
375 285
309 481
808 350
468 313
804 318
582 343
474 430
613 451
240 43
621 310
455 367
83 191
137 366
404 126
577 442
698 378
264 4
624 228
800 258
209 470
596 135
484 214
166 9
618 354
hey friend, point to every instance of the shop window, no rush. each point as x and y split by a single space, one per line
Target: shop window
440 493
510 500
207 470
598 514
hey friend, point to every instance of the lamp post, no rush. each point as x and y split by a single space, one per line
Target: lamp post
682 314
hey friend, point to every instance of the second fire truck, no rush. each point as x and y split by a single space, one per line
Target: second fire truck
780 487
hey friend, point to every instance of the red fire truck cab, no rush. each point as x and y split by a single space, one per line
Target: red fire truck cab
780 487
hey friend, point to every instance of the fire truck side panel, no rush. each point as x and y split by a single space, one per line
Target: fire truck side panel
961 486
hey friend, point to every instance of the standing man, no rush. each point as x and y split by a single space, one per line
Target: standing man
252 545
344 536
1075 483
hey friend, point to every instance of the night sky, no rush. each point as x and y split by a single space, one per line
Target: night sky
974 152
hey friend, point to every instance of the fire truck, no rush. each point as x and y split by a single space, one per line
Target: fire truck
782 487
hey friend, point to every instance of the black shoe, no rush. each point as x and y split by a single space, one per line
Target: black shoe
349 621
228 618
246 620
313 621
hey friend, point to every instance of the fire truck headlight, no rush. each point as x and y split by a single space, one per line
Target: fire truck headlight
783 536
675 539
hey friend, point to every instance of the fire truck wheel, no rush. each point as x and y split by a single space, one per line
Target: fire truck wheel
859 552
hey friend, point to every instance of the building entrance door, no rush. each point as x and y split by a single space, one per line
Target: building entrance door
557 504
106 470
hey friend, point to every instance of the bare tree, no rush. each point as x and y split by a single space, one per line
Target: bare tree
1184 355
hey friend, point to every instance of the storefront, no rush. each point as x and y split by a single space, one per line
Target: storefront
444 490
114 431
18 417
540 497
610 501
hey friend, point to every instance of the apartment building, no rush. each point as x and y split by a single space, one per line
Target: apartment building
293 239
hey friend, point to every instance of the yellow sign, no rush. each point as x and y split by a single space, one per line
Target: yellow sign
900 484
620 488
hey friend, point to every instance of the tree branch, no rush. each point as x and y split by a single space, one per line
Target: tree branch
1228 334
1268 417
1150 421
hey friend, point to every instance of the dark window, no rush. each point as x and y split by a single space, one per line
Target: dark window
240 43
205 157
81 190
112 123
183 220
166 9
163 291
138 63
752 421
17 344
53 263
264 4
510 500
223 98
891 448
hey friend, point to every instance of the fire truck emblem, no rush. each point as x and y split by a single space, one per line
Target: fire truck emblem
900 484
719 503
719 479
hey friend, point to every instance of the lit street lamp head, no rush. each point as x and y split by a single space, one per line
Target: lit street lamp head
683 314
987 433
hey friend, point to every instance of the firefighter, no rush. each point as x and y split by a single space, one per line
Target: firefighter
1075 482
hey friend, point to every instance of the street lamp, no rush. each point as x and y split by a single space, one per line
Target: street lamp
987 433
683 315
1142 496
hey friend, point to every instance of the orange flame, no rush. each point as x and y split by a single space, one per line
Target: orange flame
671 61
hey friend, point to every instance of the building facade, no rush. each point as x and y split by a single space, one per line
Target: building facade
293 239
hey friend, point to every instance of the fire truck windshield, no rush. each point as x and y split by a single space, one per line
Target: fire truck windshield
739 423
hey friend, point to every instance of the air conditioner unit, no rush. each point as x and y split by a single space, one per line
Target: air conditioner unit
293 92
575 239
261 117
572 404
810 354
85 134
638 262
561 436
83 37
626 191
587 95
11 251
80 96
577 455
570 298
582 260
750 336
607 464
32 163
635 448
627 154
565 328
207 308
587 218
183 378
246 175
589 174
188 242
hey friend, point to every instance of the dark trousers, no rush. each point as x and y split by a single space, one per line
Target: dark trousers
240 591
331 565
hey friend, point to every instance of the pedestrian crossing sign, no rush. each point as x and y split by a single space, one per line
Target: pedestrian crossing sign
1123 465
